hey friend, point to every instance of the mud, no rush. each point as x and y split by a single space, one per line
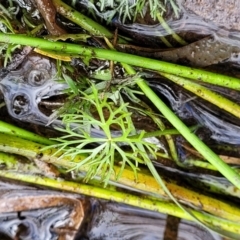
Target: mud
225 13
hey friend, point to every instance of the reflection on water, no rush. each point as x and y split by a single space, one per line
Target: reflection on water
33 225
223 127
196 19
50 215
24 87
115 221
31 214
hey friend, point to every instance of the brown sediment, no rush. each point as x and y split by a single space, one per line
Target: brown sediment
223 13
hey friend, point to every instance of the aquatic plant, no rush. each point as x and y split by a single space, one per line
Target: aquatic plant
129 9
116 157
101 159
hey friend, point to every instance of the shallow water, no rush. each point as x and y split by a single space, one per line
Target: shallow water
32 214
28 83
115 221
223 127
110 220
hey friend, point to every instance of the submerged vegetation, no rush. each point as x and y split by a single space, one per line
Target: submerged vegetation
115 126
128 10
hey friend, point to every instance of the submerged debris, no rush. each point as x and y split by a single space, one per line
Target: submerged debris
58 215
24 87
202 53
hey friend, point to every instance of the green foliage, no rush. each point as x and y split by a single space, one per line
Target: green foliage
7 14
127 9
77 137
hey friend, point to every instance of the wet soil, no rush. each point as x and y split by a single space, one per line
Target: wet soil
225 14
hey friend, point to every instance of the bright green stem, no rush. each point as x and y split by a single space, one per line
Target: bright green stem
201 147
159 133
83 21
170 31
154 65
210 156
19 132
169 138
198 163
187 72
205 93
218 224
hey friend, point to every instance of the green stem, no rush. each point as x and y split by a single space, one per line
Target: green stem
36 29
149 163
19 132
83 21
26 20
232 228
170 31
5 11
154 65
201 147
198 163
169 138
187 72
84 189
32 150
146 184
165 41
159 133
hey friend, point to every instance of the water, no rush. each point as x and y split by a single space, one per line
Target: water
30 80
115 221
27 84
223 127
32 214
